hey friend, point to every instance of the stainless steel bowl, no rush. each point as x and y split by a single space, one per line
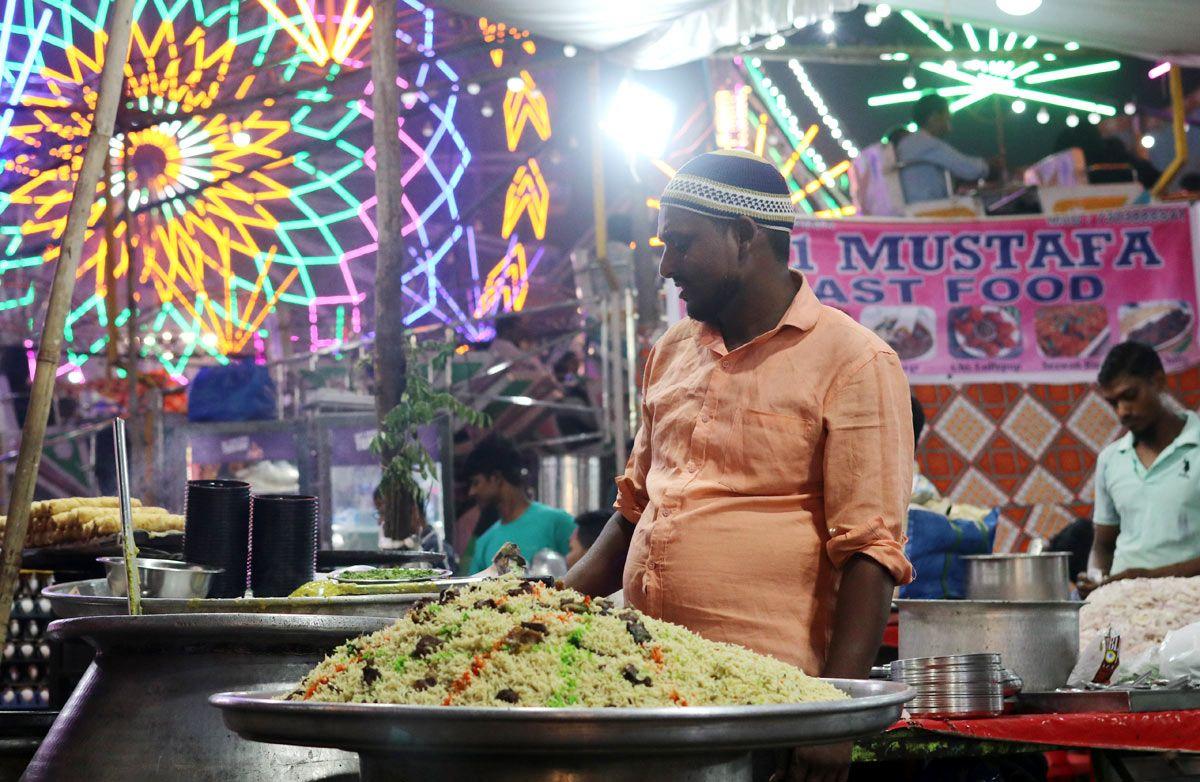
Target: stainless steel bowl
1018 576
160 578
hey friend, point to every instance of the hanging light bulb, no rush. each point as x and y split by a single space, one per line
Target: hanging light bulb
909 82
1072 120
1094 118
1130 108
872 19
1043 116
828 26
1018 106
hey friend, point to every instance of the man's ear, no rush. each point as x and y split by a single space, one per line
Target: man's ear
744 230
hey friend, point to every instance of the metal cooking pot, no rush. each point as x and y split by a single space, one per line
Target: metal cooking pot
141 711
1037 641
1038 577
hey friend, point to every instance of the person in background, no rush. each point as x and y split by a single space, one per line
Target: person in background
497 484
1147 517
587 529
923 490
925 158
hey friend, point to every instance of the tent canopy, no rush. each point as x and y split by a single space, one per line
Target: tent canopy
663 33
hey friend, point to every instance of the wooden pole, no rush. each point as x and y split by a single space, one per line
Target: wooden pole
110 269
599 207
131 371
391 360
50 348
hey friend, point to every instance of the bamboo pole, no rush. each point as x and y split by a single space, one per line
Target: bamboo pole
599 207
110 269
50 348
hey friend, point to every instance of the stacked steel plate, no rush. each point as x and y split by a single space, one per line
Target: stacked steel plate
961 685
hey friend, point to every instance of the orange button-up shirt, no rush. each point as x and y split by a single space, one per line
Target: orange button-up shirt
758 472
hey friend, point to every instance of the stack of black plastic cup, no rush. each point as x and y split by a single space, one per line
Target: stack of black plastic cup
217 532
283 543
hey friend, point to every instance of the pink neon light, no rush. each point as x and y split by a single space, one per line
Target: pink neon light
1159 70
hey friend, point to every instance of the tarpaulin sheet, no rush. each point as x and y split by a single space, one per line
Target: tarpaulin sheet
1161 731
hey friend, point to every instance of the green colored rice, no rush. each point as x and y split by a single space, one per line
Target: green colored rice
511 643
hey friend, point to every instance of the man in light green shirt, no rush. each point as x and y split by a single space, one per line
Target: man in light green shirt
1147 514
497 483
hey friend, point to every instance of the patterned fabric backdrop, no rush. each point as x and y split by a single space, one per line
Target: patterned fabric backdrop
1029 449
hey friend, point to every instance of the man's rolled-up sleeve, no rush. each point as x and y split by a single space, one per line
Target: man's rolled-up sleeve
868 464
631 486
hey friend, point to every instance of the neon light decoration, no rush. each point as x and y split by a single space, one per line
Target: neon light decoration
526 106
506 284
731 117
1004 72
322 40
241 182
808 179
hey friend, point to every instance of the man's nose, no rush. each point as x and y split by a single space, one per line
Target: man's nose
667 265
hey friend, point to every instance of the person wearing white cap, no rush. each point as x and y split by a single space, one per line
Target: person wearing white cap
763 501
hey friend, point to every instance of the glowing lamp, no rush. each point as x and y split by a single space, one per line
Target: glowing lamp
639 119
1018 7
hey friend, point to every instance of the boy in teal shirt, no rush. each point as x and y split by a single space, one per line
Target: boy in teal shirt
497 484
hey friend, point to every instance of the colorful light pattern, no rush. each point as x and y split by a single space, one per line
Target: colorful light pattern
1004 73
239 192
804 167
322 40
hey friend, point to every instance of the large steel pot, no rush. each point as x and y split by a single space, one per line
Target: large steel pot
141 711
1038 641
1037 577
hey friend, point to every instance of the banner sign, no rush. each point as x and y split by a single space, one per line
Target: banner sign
1037 298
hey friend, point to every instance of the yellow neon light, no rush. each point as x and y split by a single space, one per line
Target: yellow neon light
527 193
335 41
760 135
525 106
507 284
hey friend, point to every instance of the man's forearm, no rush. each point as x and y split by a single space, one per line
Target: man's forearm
1186 569
599 572
864 602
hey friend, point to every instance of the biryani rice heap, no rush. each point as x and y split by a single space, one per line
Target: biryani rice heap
508 642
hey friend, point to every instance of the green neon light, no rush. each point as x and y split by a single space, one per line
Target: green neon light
1070 73
911 96
930 33
21 301
978 78
972 39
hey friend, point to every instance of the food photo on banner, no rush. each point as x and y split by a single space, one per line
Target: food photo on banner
1031 298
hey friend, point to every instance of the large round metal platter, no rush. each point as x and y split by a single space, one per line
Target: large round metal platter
402 729
93 598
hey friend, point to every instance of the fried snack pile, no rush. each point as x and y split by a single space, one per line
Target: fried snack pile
81 519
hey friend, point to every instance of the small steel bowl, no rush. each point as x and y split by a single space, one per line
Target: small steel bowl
160 578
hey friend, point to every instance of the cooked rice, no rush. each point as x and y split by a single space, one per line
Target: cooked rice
511 643
1142 610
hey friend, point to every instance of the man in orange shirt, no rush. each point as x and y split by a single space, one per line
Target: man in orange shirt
763 501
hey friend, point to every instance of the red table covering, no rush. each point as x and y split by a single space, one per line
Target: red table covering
1162 731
